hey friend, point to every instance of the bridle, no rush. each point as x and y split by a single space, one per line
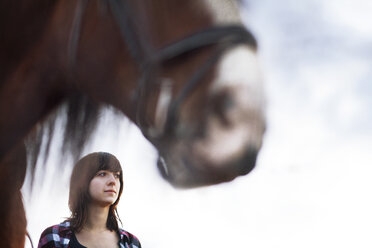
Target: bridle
148 60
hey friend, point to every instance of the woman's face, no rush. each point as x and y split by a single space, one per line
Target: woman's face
104 187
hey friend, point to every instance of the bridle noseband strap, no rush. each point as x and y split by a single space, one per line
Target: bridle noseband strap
232 35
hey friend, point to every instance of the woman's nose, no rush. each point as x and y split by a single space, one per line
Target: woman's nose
111 179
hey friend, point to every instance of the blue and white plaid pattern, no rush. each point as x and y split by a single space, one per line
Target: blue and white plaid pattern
58 236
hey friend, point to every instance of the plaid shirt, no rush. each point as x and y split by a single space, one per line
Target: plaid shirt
60 235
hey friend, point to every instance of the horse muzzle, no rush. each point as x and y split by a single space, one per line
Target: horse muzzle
186 173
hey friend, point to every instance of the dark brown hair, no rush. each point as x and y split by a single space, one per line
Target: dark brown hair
84 171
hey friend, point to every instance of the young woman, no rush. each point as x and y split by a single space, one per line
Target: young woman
95 189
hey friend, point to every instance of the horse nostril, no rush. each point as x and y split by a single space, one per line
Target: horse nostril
222 103
227 102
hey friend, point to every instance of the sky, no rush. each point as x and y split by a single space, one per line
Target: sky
311 186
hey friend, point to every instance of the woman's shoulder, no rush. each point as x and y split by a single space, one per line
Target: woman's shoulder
129 238
57 234
61 228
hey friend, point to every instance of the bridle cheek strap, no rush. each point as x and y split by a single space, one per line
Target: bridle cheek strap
162 108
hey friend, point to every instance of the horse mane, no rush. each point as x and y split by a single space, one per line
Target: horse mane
79 116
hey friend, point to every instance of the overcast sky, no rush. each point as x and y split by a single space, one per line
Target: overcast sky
311 186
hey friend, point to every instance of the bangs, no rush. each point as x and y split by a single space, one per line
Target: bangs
108 162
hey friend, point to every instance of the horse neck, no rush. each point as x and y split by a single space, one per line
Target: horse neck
12 213
21 24
34 82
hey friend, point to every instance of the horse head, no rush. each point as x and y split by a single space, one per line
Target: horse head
214 132
187 74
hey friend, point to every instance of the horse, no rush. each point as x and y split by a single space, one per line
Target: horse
185 72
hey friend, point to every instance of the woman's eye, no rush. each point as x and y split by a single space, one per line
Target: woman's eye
117 175
101 174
